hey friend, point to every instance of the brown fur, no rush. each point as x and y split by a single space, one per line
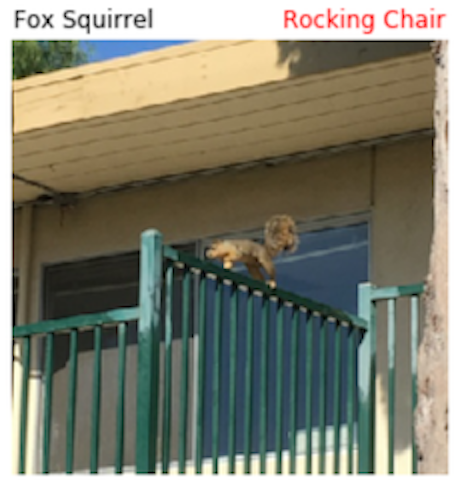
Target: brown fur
279 235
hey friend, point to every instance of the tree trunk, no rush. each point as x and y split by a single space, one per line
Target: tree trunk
431 417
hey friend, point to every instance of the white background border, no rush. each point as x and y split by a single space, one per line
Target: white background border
199 20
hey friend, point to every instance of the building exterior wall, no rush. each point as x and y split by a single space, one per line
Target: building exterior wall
401 239
392 183
200 208
16 236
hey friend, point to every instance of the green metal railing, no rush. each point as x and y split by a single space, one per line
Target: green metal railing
249 307
370 299
72 325
253 304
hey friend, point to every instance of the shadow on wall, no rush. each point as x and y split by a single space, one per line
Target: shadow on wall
309 57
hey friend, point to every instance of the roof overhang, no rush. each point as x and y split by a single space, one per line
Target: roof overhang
205 105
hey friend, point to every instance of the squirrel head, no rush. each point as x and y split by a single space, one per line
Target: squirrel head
280 234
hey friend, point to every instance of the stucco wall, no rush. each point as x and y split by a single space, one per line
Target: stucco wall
16 236
393 183
401 237
199 208
402 213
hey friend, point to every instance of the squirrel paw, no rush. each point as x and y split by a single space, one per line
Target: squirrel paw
272 284
227 264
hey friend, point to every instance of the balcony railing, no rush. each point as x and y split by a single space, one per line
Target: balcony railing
296 374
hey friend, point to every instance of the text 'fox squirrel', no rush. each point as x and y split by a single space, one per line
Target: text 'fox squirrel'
280 234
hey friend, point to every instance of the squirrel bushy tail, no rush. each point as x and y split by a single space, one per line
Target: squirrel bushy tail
280 234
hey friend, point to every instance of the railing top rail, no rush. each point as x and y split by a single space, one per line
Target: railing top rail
254 285
80 321
378 294
127 314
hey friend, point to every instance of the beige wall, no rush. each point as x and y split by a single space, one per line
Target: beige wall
16 236
402 221
393 183
199 208
401 237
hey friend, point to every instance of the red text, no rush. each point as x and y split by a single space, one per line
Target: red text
329 19
402 19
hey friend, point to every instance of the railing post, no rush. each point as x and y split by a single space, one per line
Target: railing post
366 382
148 350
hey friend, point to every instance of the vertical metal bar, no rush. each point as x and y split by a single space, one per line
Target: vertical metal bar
24 402
391 380
48 401
279 386
216 376
293 387
71 410
414 369
248 383
322 395
264 383
337 397
96 399
184 375
122 355
351 387
201 373
148 346
366 381
232 389
166 434
309 389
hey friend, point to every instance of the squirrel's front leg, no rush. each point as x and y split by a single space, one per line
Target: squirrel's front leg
269 267
227 264
255 271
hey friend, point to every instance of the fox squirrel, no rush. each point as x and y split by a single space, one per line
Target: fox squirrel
280 234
